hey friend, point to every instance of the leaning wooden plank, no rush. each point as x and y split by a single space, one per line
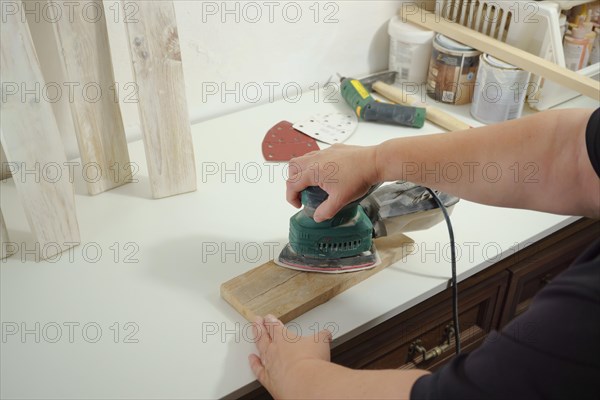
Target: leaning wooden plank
6 248
154 48
32 143
287 294
4 170
83 43
522 59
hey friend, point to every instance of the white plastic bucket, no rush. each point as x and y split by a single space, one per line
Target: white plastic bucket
410 50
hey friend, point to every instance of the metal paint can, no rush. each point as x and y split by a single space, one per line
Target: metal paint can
452 71
500 91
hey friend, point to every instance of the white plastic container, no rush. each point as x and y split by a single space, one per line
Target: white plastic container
577 49
410 50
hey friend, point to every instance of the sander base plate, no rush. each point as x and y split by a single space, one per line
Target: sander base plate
288 258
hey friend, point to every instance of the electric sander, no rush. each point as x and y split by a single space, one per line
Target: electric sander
344 243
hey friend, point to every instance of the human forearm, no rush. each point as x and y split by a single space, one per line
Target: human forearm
318 379
538 162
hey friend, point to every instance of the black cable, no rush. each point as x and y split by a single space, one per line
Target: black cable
453 279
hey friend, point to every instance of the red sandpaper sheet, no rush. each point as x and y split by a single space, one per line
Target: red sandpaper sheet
282 143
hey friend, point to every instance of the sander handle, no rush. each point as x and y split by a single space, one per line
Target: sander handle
313 196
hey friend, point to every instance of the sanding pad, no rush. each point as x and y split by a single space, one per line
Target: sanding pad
288 258
282 143
329 128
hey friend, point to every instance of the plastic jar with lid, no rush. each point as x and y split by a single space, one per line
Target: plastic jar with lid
410 50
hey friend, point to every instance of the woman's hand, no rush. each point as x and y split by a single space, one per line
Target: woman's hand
344 172
281 352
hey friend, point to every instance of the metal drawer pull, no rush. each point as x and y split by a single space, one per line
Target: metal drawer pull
415 348
546 279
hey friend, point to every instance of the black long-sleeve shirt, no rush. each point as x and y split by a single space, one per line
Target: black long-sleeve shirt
552 351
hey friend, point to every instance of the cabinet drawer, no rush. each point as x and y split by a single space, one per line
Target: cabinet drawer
530 274
401 341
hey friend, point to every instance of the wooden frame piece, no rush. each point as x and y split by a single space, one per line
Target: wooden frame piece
522 59
32 143
4 172
86 57
5 249
166 131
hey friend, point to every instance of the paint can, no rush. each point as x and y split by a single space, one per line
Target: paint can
500 91
452 71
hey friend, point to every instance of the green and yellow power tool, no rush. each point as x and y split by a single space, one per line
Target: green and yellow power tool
345 242
368 109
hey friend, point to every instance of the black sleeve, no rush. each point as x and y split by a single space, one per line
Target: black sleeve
551 351
592 140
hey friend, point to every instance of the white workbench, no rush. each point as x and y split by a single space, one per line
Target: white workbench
184 340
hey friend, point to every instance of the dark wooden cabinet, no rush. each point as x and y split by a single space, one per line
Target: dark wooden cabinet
426 329
421 337
530 273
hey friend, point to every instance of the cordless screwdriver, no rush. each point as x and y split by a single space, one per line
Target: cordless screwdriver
368 109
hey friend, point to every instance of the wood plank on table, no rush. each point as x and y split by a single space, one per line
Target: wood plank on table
32 143
83 43
156 56
287 293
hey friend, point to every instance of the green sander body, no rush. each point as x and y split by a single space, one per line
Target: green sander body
349 232
340 244
345 243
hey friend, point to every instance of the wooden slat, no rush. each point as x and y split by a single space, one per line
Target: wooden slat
287 294
4 171
520 58
30 139
5 249
95 110
154 48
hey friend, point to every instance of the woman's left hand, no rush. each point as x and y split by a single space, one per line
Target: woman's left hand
281 352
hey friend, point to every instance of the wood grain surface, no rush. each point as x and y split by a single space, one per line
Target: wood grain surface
154 47
32 142
287 293
5 248
4 171
95 110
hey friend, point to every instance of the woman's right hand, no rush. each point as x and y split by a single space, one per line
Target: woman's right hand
344 172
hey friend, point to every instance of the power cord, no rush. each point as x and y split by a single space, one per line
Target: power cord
453 264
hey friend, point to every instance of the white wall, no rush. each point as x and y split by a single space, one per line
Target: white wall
256 46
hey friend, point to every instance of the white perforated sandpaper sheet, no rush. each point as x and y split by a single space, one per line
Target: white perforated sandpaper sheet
329 128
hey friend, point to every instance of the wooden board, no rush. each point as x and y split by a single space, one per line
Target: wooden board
31 140
522 59
154 47
6 249
287 293
4 171
95 110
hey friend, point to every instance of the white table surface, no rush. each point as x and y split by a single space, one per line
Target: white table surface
184 340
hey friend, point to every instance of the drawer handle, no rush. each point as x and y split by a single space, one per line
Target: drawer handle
546 279
415 348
